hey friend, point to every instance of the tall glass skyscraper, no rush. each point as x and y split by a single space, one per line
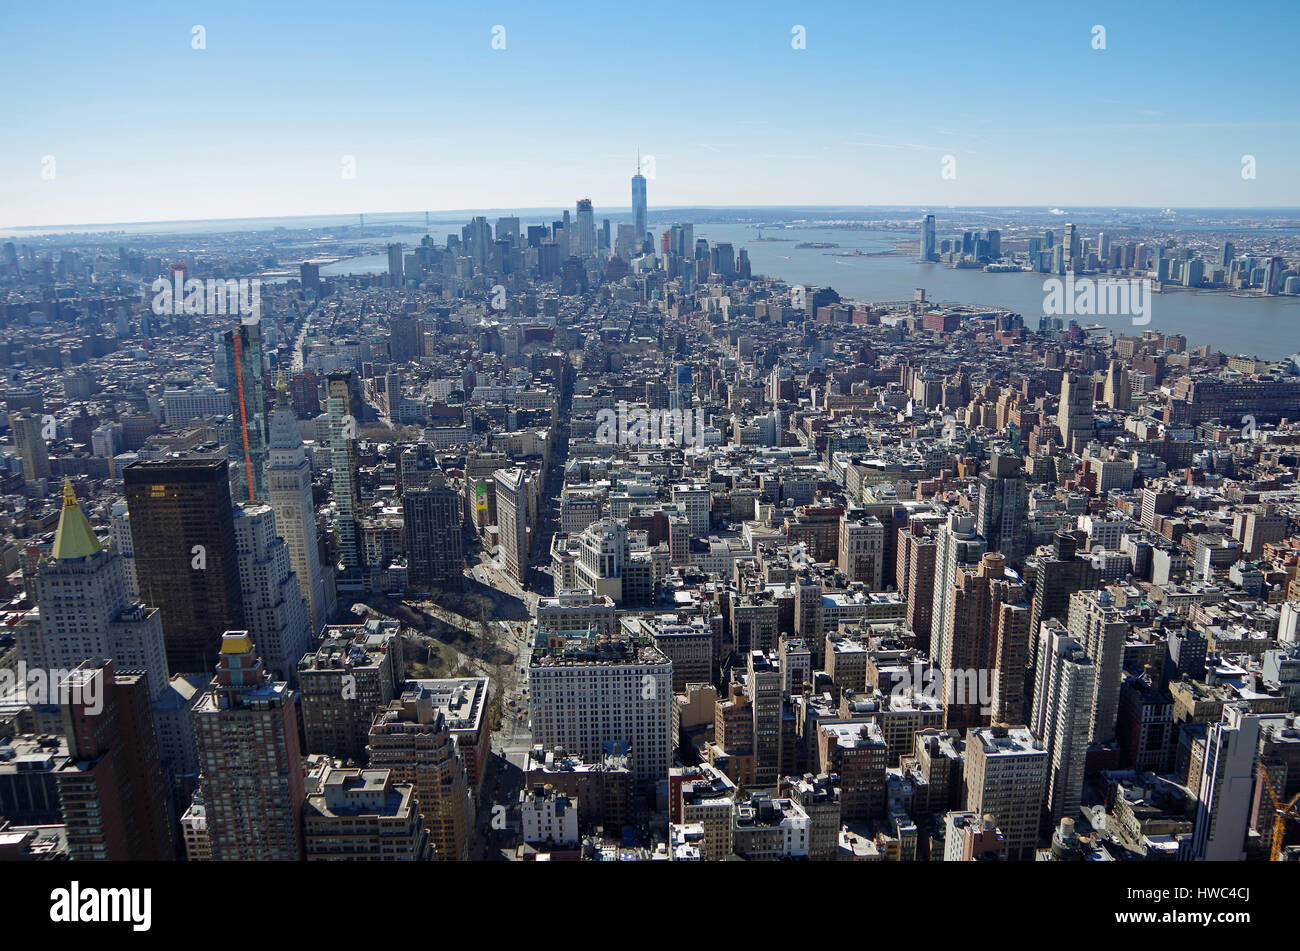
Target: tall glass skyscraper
586 229
639 205
927 240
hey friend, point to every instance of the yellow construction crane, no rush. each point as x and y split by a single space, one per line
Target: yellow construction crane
1281 814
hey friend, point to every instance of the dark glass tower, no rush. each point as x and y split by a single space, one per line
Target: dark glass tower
183 531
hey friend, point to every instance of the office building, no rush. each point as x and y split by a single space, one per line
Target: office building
1062 715
433 526
85 608
288 491
1006 777
355 670
590 692
275 613
183 533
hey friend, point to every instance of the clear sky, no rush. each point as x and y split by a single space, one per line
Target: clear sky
141 126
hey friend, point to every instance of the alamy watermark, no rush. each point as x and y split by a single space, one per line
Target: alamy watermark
956 687
243 296
636 425
1099 297
53 686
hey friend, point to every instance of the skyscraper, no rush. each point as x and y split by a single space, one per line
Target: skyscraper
275 612
244 356
1004 507
986 646
434 548
626 697
1101 630
288 490
1058 572
763 685
927 239
1074 416
30 442
586 244
1227 781
246 730
1062 714
111 788
395 264
183 530
405 338
362 815
914 577
1006 777
1119 391
85 609
958 546
639 214
513 531
343 463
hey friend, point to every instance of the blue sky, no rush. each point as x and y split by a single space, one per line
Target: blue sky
141 126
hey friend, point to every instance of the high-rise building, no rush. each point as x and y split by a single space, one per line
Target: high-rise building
986 648
1119 391
86 610
1062 714
1004 507
514 534
1058 572
410 737
958 545
639 214
1006 777
405 338
354 671
395 272
1074 416
29 440
183 530
275 612
766 700
113 796
120 533
309 277
1101 630
246 731
928 252
343 463
856 752
433 525
914 577
244 356
592 691
586 222
1227 783
288 490
862 549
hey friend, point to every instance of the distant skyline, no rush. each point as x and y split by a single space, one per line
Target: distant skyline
141 127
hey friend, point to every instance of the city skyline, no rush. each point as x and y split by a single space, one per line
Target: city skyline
850 434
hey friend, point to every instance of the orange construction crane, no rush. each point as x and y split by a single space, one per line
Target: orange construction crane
1281 814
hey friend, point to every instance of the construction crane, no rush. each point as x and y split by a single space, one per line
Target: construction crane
1281 814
